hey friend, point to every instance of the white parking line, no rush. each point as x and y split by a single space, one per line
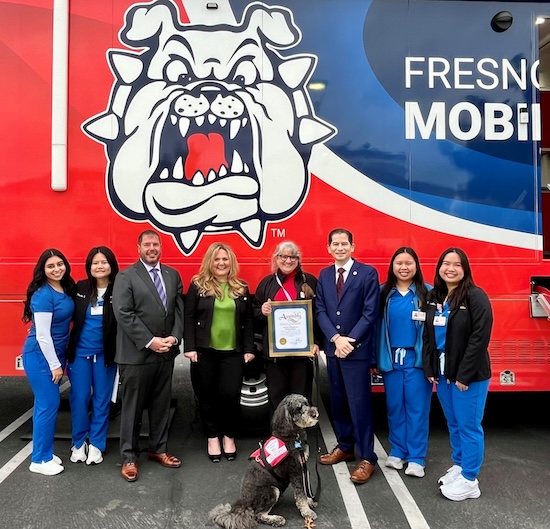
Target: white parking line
15 461
356 513
26 451
414 515
354 507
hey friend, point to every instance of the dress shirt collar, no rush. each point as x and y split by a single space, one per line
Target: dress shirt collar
346 267
148 267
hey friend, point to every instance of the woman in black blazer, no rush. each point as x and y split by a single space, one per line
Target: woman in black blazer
218 339
457 332
90 354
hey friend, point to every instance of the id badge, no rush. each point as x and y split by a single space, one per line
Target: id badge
440 321
96 310
419 315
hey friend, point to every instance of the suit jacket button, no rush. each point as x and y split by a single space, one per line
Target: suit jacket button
337 313
338 327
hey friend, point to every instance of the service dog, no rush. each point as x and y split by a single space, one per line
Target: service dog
272 469
209 128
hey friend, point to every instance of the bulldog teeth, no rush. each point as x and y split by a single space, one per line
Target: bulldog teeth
164 174
245 121
198 179
237 164
246 168
234 128
178 169
184 126
223 122
223 170
252 229
211 119
211 175
173 119
199 120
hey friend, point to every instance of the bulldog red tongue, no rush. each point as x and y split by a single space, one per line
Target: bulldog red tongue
205 153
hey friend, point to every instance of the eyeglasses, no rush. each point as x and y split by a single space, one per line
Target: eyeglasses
291 258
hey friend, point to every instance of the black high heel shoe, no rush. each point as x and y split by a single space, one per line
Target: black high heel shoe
230 456
215 458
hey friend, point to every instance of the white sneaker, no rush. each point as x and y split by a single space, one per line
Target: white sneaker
461 489
450 476
394 462
78 454
414 469
51 468
94 456
57 460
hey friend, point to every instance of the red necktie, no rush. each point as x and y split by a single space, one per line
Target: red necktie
340 283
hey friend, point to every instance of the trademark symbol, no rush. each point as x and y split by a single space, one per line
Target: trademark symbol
278 232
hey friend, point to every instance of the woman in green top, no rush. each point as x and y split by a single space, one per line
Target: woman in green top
218 339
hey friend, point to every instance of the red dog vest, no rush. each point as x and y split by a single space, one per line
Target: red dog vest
273 451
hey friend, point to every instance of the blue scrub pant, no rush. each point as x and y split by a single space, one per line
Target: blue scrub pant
351 402
464 413
90 379
46 405
408 398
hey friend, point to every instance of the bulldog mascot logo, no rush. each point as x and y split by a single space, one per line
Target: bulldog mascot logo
208 129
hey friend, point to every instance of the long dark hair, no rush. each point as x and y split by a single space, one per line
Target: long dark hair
111 259
39 278
391 281
459 295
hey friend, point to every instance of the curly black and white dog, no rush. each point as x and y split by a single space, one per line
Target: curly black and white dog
278 463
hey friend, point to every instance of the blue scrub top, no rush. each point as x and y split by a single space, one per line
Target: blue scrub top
441 331
90 339
47 299
401 327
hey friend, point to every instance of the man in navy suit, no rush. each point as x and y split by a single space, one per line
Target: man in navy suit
347 309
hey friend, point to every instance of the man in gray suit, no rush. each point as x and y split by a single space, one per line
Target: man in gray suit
148 306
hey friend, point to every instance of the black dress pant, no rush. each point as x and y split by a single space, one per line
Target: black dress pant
145 386
217 380
286 376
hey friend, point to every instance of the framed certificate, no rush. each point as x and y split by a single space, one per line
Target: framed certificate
290 328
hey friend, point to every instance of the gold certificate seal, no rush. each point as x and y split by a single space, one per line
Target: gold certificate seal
282 341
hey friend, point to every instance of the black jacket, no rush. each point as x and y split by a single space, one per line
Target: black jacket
468 334
82 296
267 289
198 312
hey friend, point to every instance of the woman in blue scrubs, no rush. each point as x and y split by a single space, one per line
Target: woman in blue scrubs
399 359
49 306
458 326
91 357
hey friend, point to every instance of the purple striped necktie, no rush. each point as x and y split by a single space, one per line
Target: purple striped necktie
158 285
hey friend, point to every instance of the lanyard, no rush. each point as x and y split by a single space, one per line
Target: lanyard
284 289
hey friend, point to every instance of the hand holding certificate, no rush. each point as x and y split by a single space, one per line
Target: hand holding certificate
290 327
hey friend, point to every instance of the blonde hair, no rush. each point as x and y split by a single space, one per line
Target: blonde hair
207 283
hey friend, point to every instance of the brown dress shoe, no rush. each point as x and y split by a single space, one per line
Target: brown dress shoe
363 472
130 471
165 459
336 456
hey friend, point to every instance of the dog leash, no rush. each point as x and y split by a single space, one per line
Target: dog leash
305 473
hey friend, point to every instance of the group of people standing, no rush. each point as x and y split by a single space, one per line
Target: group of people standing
411 333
